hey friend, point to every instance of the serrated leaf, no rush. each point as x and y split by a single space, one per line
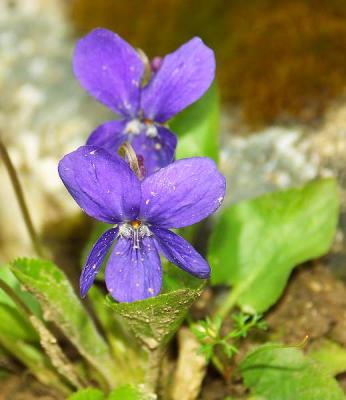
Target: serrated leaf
332 356
284 373
198 127
256 243
156 319
87 394
7 276
60 305
129 392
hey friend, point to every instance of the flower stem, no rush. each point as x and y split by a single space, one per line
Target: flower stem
153 368
126 151
21 200
226 307
218 364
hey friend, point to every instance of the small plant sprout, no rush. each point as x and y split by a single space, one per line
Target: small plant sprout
208 332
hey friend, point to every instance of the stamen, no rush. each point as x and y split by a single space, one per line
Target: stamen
151 131
134 230
133 127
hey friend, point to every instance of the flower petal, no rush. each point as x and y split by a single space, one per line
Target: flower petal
95 259
158 151
109 135
183 193
180 252
134 274
182 79
109 69
102 184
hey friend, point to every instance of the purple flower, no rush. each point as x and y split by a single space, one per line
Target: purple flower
141 213
112 71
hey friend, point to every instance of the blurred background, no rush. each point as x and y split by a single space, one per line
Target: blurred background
281 71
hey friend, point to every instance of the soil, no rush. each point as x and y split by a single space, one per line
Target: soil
25 387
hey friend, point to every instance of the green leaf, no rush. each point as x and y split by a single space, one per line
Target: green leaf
256 243
129 392
87 394
7 276
156 319
175 278
15 325
275 372
60 305
332 356
13 322
198 127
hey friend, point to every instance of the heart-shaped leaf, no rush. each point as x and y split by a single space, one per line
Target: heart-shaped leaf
273 372
198 127
256 243
156 319
331 355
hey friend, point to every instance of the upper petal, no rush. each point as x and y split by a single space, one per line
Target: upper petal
102 184
182 79
95 259
180 252
134 274
109 135
183 193
110 70
157 151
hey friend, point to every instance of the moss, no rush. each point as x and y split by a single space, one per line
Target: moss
278 60
287 60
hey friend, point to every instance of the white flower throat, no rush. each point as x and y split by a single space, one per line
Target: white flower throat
134 230
136 126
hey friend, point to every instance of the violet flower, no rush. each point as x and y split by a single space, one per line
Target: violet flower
112 71
141 212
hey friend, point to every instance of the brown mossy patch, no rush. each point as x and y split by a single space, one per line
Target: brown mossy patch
288 59
277 60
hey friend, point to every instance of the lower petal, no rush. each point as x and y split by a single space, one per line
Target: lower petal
95 259
157 151
109 135
134 273
179 252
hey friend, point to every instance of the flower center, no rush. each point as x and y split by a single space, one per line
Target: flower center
135 230
136 126
136 224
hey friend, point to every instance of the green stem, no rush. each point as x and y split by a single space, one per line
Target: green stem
154 368
226 307
218 364
127 151
20 198
223 311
